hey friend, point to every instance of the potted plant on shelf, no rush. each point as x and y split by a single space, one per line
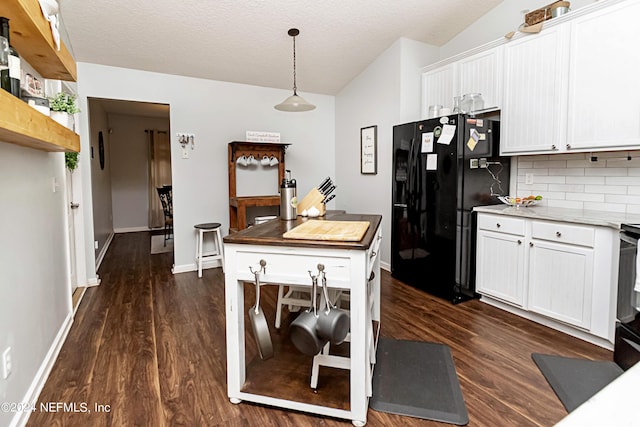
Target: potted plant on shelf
63 107
71 161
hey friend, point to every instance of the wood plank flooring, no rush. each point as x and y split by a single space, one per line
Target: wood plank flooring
151 346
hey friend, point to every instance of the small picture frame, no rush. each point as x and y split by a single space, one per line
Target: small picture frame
369 150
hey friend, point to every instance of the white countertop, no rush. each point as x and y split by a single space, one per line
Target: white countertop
580 216
614 405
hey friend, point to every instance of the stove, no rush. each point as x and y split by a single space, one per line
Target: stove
627 342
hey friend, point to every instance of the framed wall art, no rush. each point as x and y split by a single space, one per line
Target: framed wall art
369 150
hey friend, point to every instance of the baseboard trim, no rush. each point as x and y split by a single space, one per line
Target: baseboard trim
185 268
134 229
104 250
32 394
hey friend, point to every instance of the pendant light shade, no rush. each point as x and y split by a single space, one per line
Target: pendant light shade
295 102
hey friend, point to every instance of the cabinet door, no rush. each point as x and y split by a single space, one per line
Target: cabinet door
438 88
604 94
533 114
482 73
560 282
500 266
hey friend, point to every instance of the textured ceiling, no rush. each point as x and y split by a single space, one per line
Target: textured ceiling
246 41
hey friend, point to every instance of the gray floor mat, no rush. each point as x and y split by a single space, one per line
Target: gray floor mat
417 379
575 380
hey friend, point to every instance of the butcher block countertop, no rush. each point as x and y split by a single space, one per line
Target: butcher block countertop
271 232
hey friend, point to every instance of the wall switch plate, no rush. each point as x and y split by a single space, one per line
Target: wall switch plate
482 163
185 153
528 178
6 362
473 164
95 244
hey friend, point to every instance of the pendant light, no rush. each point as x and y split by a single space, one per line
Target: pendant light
295 102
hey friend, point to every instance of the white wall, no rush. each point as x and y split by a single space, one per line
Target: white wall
385 94
35 301
100 178
217 113
130 169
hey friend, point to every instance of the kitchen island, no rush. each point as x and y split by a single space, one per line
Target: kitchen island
348 265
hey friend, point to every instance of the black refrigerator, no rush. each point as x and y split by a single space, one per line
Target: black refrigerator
442 169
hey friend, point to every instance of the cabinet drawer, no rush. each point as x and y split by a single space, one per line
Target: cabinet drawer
501 224
294 268
564 233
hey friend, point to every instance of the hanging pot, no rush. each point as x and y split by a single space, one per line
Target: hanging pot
333 323
259 323
303 330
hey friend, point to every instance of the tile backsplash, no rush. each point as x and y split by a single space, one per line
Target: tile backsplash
610 183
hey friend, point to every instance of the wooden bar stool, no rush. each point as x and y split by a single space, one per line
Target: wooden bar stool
217 253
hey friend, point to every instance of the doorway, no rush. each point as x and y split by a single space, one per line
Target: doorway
121 164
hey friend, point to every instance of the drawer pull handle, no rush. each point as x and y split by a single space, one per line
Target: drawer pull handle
530 244
519 241
553 147
497 225
568 146
373 253
558 234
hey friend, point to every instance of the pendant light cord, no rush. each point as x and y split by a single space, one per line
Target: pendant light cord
294 67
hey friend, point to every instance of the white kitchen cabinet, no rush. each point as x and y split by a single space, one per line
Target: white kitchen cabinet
438 87
482 73
604 94
500 266
534 100
563 275
560 282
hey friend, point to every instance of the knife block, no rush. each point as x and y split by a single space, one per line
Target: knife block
313 198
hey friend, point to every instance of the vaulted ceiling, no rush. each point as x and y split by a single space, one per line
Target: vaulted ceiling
246 41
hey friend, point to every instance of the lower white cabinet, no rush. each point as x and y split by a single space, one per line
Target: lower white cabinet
500 265
560 282
559 274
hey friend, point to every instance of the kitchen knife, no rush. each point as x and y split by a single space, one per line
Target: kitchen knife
326 187
323 183
329 190
328 199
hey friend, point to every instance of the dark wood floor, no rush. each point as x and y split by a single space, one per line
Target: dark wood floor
151 346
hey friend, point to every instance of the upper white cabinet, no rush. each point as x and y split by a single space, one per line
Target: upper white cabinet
604 92
535 69
573 87
482 73
478 73
438 87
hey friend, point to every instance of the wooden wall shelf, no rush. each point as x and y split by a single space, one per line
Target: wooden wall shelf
238 205
32 38
23 125
19 123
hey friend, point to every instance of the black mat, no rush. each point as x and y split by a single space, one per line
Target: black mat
417 379
575 380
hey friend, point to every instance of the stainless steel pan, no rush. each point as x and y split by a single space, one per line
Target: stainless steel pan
259 324
303 329
333 324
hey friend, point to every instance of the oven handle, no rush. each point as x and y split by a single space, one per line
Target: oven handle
626 238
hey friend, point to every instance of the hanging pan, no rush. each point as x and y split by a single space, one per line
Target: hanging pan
303 329
259 323
333 323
